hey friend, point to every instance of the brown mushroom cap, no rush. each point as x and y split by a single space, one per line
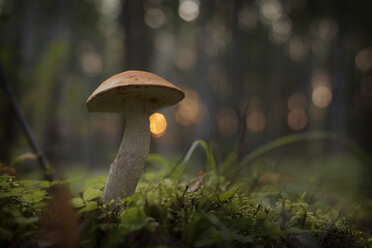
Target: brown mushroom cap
114 93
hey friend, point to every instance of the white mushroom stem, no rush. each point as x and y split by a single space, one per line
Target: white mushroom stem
128 165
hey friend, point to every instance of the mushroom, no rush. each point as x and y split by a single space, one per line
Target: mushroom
134 93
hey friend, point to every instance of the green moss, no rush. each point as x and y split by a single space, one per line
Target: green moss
170 214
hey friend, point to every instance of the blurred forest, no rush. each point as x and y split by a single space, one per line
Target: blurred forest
253 71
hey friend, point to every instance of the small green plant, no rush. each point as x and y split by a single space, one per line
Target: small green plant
21 204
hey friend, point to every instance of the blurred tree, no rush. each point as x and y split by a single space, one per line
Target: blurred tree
138 39
17 52
203 79
59 32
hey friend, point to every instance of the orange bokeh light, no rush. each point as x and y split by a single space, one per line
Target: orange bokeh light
158 124
322 96
297 120
190 110
227 121
363 59
256 121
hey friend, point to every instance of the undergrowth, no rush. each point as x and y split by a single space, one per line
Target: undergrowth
171 210
167 214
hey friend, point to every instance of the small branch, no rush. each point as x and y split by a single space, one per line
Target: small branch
44 164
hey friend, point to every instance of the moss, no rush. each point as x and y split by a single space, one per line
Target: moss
169 214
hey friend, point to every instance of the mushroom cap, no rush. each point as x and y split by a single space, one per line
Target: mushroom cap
114 94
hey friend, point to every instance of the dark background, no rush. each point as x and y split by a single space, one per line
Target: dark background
253 71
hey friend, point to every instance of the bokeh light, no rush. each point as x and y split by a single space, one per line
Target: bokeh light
155 17
188 10
281 30
363 59
321 78
297 120
366 85
227 122
324 29
282 25
322 96
256 121
91 63
298 48
221 35
109 8
190 110
247 18
271 9
158 124
297 101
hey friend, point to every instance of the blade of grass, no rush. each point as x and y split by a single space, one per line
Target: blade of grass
211 162
294 138
179 167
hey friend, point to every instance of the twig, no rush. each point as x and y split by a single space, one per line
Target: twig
44 164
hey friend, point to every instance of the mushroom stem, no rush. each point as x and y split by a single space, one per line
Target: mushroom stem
128 165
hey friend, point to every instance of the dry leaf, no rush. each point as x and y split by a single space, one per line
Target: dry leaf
59 223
